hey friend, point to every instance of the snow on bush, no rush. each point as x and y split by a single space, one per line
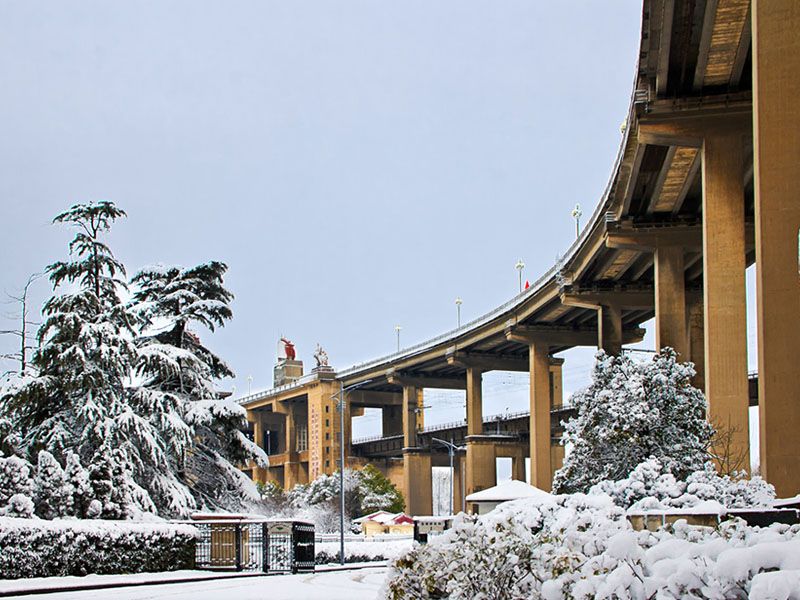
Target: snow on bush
328 552
36 548
652 486
582 546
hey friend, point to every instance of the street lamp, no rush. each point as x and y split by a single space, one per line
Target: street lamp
459 302
249 384
519 267
576 214
451 450
341 407
397 329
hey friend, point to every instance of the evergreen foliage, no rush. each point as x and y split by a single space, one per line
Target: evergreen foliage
129 388
633 411
53 494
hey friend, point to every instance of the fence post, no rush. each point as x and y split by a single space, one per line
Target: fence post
238 542
265 544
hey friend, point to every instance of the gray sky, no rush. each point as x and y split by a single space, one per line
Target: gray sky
357 164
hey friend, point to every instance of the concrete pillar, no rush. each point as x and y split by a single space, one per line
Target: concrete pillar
291 432
696 331
518 466
556 383
671 300
481 466
417 482
609 320
259 473
410 397
776 89
541 473
392 420
458 484
474 401
724 286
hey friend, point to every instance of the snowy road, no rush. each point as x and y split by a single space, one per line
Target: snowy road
359 584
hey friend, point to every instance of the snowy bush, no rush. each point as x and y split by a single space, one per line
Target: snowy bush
651 485
361 551
632 411
579 546
15 478
35 548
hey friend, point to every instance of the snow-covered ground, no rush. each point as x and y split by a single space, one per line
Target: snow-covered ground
335 585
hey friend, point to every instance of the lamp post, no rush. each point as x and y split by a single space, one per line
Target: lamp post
459 302
576 214
341 407
451 450
397 329
249 384
519 267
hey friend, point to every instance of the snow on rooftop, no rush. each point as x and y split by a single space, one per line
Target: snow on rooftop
508 490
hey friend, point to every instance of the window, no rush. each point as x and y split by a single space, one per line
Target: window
302 438
327 423
327 435
327 463
327 408
327 449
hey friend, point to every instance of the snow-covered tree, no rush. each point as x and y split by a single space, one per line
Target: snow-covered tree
15 478
78 481
378 493
634 410
201 429
53 494
84 348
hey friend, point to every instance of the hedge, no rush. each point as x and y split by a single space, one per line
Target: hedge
38 548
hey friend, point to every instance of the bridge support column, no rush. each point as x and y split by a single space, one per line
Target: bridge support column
417 482
724 286
392 417
696 335
481 465
458 484
291 468
609 321
671 300
776 62
474 401
259 473
540 403
410 412
518 466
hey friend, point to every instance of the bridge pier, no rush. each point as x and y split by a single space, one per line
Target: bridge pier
481 464
696 335
670 300
540 404
459 472
724 288
776 90
609 328
417 481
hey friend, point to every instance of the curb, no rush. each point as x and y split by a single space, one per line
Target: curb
126 584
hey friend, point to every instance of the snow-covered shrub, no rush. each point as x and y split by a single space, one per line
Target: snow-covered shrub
15 478
35 548
583 547
53 493
634 410
328 552
651 485
19 505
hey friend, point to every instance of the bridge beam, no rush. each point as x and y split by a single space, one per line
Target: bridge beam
424 381
776 89
554 335
485 361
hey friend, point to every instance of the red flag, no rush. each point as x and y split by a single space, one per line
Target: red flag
527 284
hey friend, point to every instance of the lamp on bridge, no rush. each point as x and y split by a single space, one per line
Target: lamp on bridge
520 266
459 302
576 214
397 329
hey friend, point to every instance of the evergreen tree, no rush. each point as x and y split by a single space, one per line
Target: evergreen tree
84 345
378 493
202 430
633 411
15 478
53 495
78 481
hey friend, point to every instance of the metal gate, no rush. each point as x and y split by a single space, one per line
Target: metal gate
280 548
255 545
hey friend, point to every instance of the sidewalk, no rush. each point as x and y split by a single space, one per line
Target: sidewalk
45 585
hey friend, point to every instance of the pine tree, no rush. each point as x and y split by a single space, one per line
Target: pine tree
633 411
52 491
201 429
78 481
84 345
378 493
